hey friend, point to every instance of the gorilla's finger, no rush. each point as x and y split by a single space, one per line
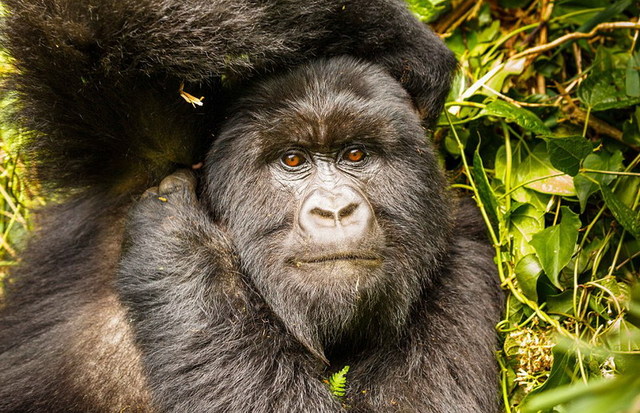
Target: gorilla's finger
182 178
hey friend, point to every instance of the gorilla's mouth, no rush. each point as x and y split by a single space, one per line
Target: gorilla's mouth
358 258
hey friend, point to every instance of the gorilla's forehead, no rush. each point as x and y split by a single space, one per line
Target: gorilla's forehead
329 122
326 105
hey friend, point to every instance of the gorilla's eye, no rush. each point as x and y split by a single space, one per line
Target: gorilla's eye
354 155
293 159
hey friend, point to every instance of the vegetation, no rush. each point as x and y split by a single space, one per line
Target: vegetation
542 129
338 382
16 198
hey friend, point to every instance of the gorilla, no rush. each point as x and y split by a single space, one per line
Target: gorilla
323 237
319 234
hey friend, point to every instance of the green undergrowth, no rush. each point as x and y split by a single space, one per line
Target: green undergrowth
16 198
542 130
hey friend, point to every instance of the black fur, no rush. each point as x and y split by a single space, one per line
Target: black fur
98 80
225 322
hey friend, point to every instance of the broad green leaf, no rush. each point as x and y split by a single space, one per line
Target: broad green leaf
527 120
536 166
524 221
555 245
560 303
601 161
490 33
485 191
633 75
606 90
567 153
428 10
627 217
527 271
627 189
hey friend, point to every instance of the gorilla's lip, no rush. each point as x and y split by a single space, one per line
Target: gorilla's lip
365 258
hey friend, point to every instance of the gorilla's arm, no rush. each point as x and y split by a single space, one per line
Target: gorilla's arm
100 79
206 340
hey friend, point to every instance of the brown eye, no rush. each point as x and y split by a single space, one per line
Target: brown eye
293 159
354 155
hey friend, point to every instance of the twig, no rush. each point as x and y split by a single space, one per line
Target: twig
454 19
577 35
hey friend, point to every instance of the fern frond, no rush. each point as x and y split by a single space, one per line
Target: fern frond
338 382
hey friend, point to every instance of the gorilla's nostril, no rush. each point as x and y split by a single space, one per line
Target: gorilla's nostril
348 210
321 213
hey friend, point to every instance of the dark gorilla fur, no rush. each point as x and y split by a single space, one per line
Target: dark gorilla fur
216 321
98 79
230 316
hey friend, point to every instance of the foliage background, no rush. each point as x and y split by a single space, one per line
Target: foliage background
542 129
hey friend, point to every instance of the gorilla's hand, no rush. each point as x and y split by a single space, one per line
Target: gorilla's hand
205 337
169 234
180 186
166 207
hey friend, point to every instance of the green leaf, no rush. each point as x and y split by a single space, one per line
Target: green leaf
522 117
588 183
606 90
428 10
536 166
487 196
632 81
560 303
338 382
527 271
627 217
524 221
567 153
555 245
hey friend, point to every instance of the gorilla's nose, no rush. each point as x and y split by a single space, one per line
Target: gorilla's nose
335 216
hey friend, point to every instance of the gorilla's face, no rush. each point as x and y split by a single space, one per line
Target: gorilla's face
326 184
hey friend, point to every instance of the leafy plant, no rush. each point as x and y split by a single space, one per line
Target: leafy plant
542 129
338 382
